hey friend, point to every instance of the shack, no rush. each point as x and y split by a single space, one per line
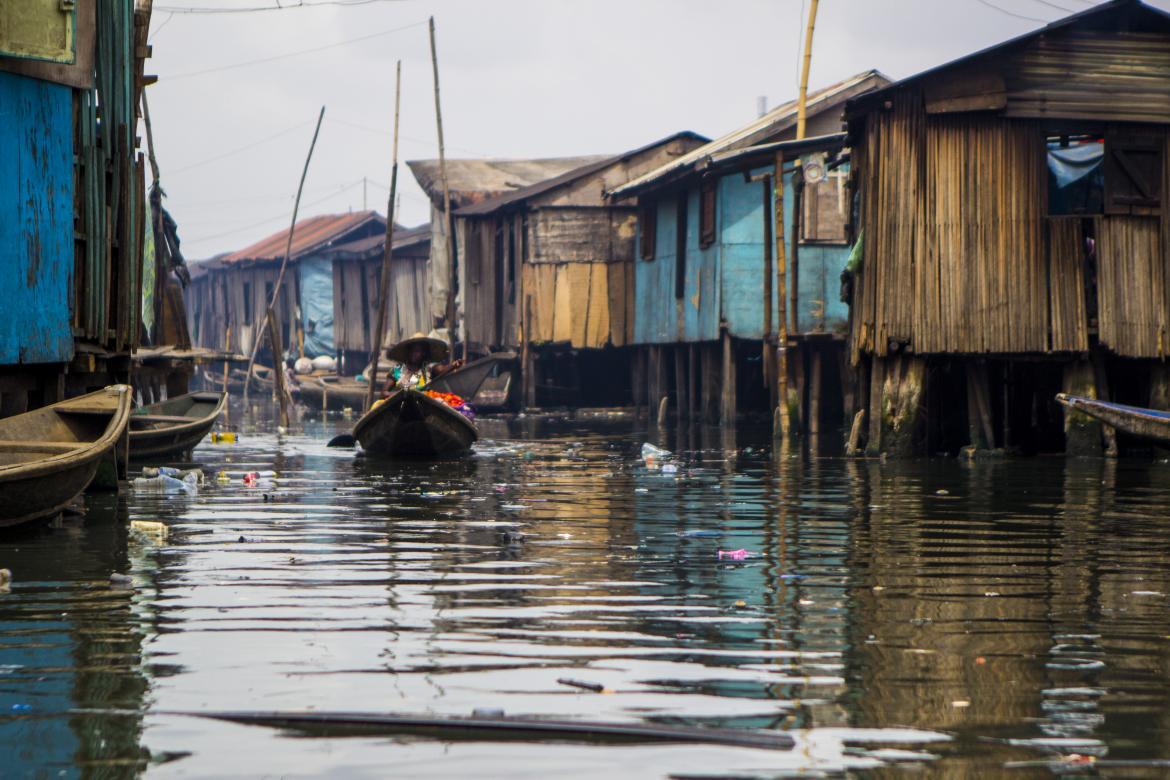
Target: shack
229 294
357 279
548 270
1016 237
468 182
711 317
72 199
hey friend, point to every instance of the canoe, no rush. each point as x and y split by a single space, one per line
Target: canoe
410 424
332 393
1145 423
486 383
173 427
49 456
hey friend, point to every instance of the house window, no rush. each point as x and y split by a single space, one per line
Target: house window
1133 173
825 210
648 225
707 191
248 303
680 246
1076 174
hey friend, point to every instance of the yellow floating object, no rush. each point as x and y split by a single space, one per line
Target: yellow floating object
223 437
150 528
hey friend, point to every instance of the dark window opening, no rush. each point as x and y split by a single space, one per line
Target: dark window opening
1076 177
510 267
707 201
1133 173
680 246
247 303
648 227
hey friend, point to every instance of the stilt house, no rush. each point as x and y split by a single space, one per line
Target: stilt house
469 182
71 197
228 296
357 278
713 283
549 272
1016 236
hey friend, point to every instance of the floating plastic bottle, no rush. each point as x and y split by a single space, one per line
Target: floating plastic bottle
164 485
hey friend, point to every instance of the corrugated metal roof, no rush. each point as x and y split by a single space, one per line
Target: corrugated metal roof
531 191
1089 15
311 235
770 124
471 181
372 245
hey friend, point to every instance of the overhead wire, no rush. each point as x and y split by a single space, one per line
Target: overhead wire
207 10
286 55
265 221
244 148
995 7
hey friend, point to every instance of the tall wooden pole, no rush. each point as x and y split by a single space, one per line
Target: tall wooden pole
448 228
780 422
802 104
387 250
284 262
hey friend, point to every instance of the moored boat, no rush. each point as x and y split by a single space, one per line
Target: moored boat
1149 424
411 424
331 393
173 427
50 455
486 382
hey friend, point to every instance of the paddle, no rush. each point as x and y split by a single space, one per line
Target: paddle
342 440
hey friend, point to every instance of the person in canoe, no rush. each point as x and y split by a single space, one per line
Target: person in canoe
420 359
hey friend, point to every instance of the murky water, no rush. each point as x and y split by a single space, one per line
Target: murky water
958 618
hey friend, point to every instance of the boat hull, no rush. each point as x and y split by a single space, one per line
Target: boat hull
153 440
1149 424
411 425
317 393
49 456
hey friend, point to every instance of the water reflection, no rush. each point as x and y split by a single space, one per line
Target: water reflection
1019 606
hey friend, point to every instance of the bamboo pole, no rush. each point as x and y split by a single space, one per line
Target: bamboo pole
387 250
802 105
278 371
284 262
781 423
448 228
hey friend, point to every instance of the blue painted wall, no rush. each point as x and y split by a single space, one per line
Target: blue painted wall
727 278
36 220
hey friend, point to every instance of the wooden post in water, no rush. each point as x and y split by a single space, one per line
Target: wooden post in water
448 228
278 371
387 250
727 385
781 423
276 356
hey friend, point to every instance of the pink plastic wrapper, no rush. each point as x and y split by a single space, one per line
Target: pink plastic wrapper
733 555
251 478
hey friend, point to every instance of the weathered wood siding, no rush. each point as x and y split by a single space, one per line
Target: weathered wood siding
962 257
355 301
586 305
215 302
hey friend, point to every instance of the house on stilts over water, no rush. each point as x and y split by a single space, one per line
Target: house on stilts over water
1016 238
732 308
548 272
228 297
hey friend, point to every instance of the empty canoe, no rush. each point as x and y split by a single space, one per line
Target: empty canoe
173 427
410 424
1146 423
49 456
486 383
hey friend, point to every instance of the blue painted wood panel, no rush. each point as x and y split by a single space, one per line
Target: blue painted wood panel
36 220
741 238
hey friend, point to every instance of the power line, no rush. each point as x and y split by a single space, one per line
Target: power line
386 134
202 10
286 55
1011 13
233 231
1054 5
245 148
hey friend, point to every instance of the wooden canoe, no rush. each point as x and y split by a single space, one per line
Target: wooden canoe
173 427
49 456
1145 423
332 393
486 383
410 424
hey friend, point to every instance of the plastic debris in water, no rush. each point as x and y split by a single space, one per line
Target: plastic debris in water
652 454
251 479
733 555
165 485
153 530
669 468
223 437
701 533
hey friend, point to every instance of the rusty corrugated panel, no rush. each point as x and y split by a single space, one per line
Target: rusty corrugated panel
310 235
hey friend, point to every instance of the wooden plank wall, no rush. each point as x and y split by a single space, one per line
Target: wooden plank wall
587 305
961 257
355 287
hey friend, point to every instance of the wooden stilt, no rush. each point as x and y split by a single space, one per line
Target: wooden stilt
814 394
1101 379
981 428
873 444
278 368
727 384
798 390
681 399
692 384
710 381
1082 434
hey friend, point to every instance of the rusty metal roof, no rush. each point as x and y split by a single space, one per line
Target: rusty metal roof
766 128
371 246
311 235
472 181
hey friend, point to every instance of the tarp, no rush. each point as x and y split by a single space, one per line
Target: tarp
316 306
1076 177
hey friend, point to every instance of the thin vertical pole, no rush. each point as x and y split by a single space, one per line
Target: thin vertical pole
802 105
387 250
284 262
781 423
766 189
448 228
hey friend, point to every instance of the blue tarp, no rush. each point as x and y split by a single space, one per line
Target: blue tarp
317 306
1076 178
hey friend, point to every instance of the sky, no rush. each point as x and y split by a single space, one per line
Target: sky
240 84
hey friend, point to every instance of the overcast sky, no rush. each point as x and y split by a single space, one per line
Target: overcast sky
519 78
